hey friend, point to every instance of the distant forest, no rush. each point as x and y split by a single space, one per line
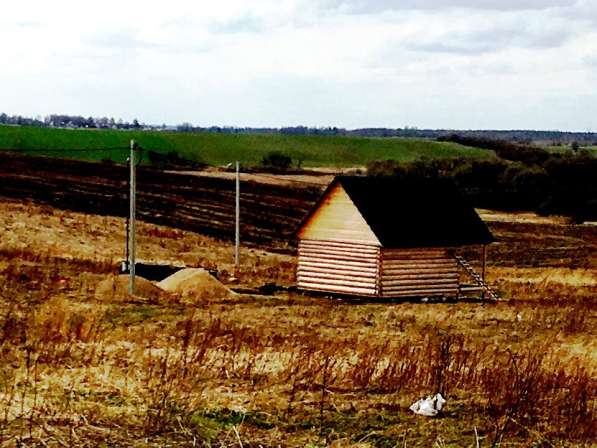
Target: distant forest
520 136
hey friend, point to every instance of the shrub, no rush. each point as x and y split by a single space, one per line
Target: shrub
172 160
517 152
276 160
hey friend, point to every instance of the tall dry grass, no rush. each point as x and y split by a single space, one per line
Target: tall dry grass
288 370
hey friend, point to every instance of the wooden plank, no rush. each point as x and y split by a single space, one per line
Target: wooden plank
352 264
414 276
426 265
422 271
449 286
413 259
420 288
335 282
413 256
309 252
341 255
366 262
413 253
445 286
339 246
425 282
328 267
452 282
341 260
415 249
370 292
319 284
419 262
354 237
337 255
419 293
409 284
419 272
370 268
471 289
348 276
337 243
366 250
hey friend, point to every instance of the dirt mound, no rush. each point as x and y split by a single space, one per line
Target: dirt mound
195 284
116 289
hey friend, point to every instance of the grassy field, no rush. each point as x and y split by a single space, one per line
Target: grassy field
78 369
592 149
220 149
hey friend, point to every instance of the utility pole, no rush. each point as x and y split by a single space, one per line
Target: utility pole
484 268
125 264
132 216
237 222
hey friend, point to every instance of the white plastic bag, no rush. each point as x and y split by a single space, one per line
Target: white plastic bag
430 406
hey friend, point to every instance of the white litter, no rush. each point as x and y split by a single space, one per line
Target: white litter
430 406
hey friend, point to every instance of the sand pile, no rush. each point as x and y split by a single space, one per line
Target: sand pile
195 284
116 288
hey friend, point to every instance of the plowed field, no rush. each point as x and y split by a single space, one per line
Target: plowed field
269 213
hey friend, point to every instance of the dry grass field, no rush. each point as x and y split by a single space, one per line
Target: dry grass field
78 369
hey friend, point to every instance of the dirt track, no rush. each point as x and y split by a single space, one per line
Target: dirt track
269 214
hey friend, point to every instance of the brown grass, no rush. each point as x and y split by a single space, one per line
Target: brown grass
289 369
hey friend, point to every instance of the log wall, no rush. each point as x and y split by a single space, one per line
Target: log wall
338 267
371 271
418 272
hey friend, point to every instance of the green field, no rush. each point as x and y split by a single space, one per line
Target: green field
565 149
220 149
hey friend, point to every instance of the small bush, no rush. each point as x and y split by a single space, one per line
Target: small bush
276 160
173 160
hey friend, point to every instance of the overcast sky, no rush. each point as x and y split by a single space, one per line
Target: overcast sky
466 64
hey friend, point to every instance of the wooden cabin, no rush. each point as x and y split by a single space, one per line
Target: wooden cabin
386 237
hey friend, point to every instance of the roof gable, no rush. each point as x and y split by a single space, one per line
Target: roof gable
336 218
413 213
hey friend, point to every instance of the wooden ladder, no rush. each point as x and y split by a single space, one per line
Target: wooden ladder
482 283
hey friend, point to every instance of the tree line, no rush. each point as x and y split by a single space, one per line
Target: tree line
71 121
550 184
519 136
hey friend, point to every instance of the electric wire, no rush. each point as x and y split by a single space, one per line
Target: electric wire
140 149
25 151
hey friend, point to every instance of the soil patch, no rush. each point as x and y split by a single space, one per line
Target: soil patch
195 284
116 289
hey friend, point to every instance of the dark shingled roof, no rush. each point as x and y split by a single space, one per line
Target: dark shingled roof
415 213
